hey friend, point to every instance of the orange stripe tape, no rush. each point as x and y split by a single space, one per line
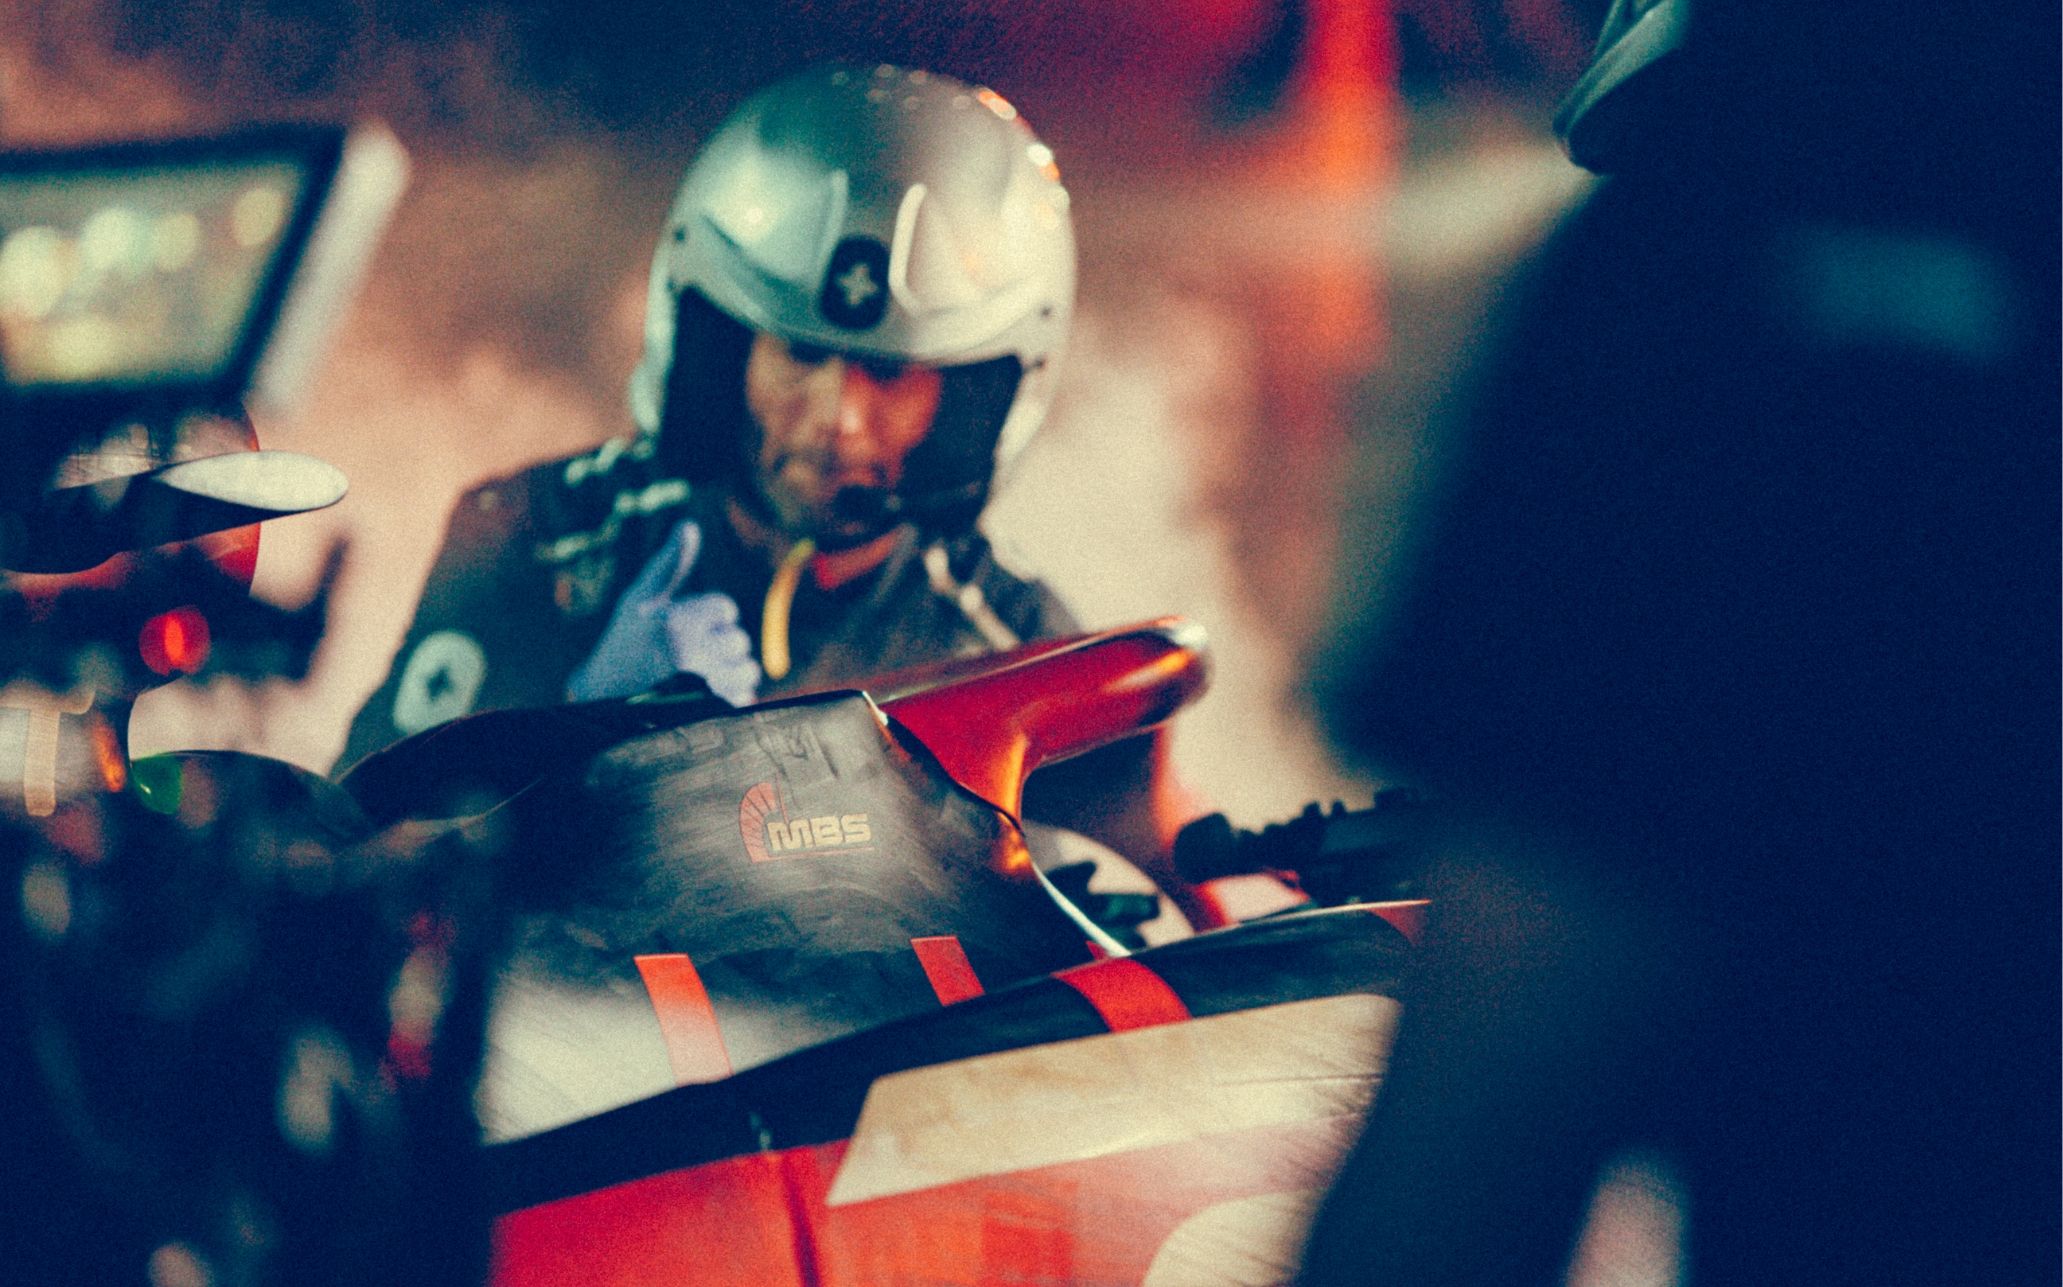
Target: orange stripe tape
945 964
1126 994
687 1020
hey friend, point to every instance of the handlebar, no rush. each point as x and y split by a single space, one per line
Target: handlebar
1336 856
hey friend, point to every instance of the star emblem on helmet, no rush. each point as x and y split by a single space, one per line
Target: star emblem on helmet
858 285
854 295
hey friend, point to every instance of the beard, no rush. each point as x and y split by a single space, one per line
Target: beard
837 518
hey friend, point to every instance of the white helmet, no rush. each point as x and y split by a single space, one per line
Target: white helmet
876 211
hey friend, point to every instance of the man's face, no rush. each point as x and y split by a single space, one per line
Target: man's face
835 431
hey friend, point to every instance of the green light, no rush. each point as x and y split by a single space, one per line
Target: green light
159 782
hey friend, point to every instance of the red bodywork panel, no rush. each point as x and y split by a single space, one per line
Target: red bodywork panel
762 1220
1052 701
1198 1126
1408 915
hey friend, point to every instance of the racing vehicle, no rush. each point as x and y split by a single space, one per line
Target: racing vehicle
638 991
787 1000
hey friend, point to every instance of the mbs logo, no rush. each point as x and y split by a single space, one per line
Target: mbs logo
769 833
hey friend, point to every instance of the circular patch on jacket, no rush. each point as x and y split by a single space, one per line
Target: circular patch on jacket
440 681
855 294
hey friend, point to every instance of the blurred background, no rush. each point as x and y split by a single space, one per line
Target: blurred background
1291 213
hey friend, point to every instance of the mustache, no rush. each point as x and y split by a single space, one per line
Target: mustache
826 463
856 489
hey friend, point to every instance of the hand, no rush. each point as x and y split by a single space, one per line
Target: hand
656 632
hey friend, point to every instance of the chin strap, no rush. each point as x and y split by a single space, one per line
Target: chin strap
774 658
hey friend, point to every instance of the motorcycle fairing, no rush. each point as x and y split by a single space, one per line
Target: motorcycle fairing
790 853
798 870
1026 1132
1234 1202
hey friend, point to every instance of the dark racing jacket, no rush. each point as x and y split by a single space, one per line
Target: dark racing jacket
533 563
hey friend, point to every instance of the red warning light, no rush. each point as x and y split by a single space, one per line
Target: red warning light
175 642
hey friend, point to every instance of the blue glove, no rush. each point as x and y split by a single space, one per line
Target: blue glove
656 631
